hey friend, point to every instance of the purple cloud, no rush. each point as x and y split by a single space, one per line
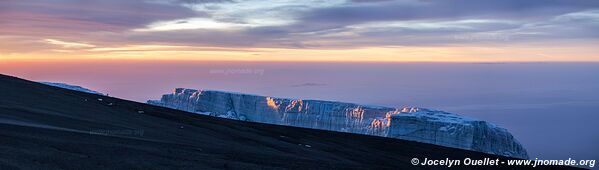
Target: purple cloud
354 23
84 16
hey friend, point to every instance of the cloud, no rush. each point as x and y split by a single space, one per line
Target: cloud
202 1
38 23
359 23
190 24
370 1
308 85
38 17
447 9
334 24
68 44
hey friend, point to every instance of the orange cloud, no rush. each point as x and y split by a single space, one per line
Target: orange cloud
520 53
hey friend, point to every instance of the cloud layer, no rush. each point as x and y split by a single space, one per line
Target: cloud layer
289 24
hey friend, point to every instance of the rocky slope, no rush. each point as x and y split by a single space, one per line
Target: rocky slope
416 124
44 127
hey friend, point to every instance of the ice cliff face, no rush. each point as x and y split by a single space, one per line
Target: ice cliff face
416 124
71 87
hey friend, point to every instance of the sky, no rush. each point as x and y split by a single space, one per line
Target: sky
307 30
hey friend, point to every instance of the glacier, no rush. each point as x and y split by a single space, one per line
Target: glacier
410 123
71 87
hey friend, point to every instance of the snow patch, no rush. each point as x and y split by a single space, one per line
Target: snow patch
72 87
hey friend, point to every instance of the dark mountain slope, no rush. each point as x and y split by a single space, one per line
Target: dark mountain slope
44 127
